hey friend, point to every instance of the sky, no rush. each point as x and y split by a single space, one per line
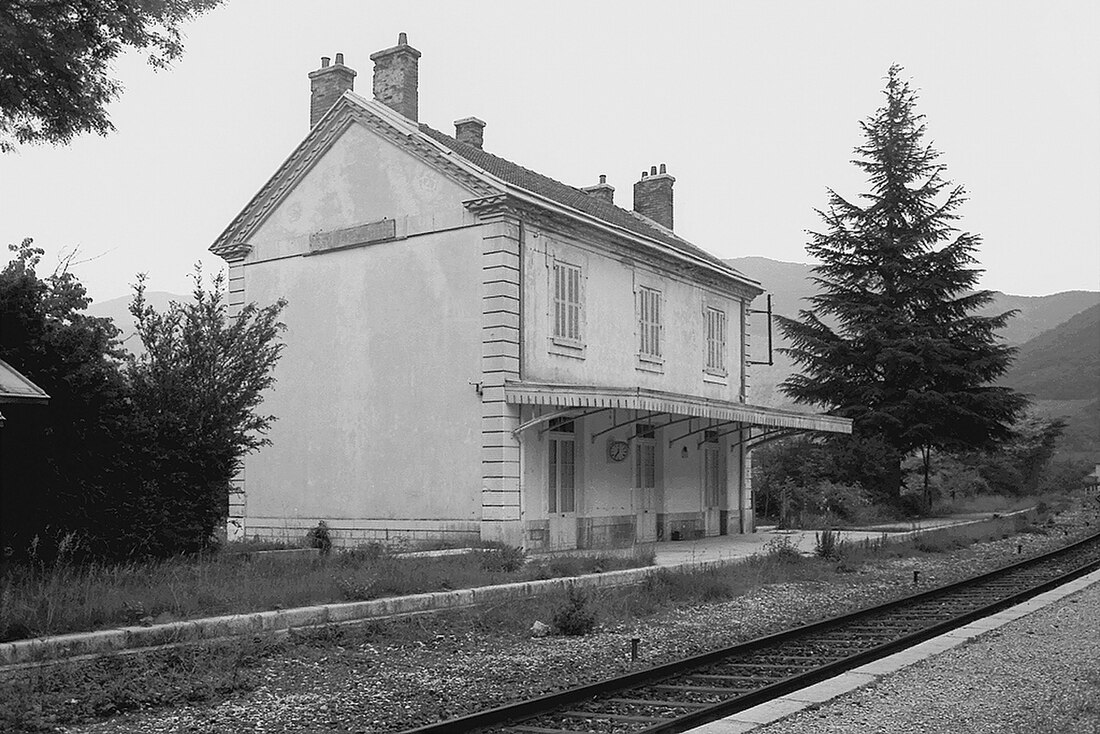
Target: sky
753 106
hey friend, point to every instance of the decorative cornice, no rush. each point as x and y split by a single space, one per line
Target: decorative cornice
617 245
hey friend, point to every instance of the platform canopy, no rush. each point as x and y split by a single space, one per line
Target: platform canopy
677 404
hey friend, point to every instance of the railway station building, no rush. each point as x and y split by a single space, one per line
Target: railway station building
477 351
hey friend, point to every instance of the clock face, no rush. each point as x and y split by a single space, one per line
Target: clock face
617 450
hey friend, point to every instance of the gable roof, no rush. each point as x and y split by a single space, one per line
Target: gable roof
574 198
430 145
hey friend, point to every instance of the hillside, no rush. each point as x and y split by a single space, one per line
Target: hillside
1060 369
789 284
1058 362
1062 363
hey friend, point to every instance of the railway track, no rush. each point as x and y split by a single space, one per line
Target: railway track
680 695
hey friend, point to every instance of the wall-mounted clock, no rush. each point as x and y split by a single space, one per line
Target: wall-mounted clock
617 450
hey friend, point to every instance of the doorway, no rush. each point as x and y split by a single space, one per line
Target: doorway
562 486
643 496
714 485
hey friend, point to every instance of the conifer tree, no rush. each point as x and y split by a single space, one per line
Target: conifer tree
893 338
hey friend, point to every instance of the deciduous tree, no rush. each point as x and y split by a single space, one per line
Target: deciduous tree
134 456
62 461
196 390
55 60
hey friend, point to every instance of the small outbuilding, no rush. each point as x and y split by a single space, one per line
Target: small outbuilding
17 389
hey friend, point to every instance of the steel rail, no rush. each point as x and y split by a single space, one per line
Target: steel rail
549 703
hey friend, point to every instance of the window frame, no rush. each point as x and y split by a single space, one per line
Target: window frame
557 305
716 341
649 302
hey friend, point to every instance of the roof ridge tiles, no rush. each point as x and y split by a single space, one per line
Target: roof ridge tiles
571 196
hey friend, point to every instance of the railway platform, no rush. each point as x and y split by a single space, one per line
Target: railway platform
728 547
1034 667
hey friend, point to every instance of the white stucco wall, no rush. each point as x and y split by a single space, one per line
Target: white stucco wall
610 324
378 418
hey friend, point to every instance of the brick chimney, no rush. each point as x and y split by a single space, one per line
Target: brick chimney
603 190
395 77
327 85
470 130
653 196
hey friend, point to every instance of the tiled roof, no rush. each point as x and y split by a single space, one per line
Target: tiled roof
569 196
15 387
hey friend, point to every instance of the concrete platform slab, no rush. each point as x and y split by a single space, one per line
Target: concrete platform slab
831 688
771 711
827 690
726 726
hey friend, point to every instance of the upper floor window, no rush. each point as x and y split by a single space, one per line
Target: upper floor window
716 341
567 302
649 322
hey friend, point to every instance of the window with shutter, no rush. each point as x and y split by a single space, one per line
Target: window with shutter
649 322
568 286
715 328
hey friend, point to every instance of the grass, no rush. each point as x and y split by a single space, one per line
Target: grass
877 517
41 699
36 600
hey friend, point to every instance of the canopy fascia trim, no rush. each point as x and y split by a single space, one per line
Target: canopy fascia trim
658 401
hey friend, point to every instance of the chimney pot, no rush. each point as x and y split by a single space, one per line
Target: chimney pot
603 178
327 85
653 196
662 165
470 130
395 77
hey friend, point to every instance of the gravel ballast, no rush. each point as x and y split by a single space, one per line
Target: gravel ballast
358 682
1039 674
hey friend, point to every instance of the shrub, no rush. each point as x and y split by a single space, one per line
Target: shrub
826 544
501 558
576 617
782 549
1064 476
320 538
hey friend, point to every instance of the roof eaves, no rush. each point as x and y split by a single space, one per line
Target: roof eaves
717 266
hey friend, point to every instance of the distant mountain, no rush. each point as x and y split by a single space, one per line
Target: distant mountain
790 283
118 310
1060 370
1062 363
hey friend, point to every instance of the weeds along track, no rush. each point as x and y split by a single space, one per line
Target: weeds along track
678 696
